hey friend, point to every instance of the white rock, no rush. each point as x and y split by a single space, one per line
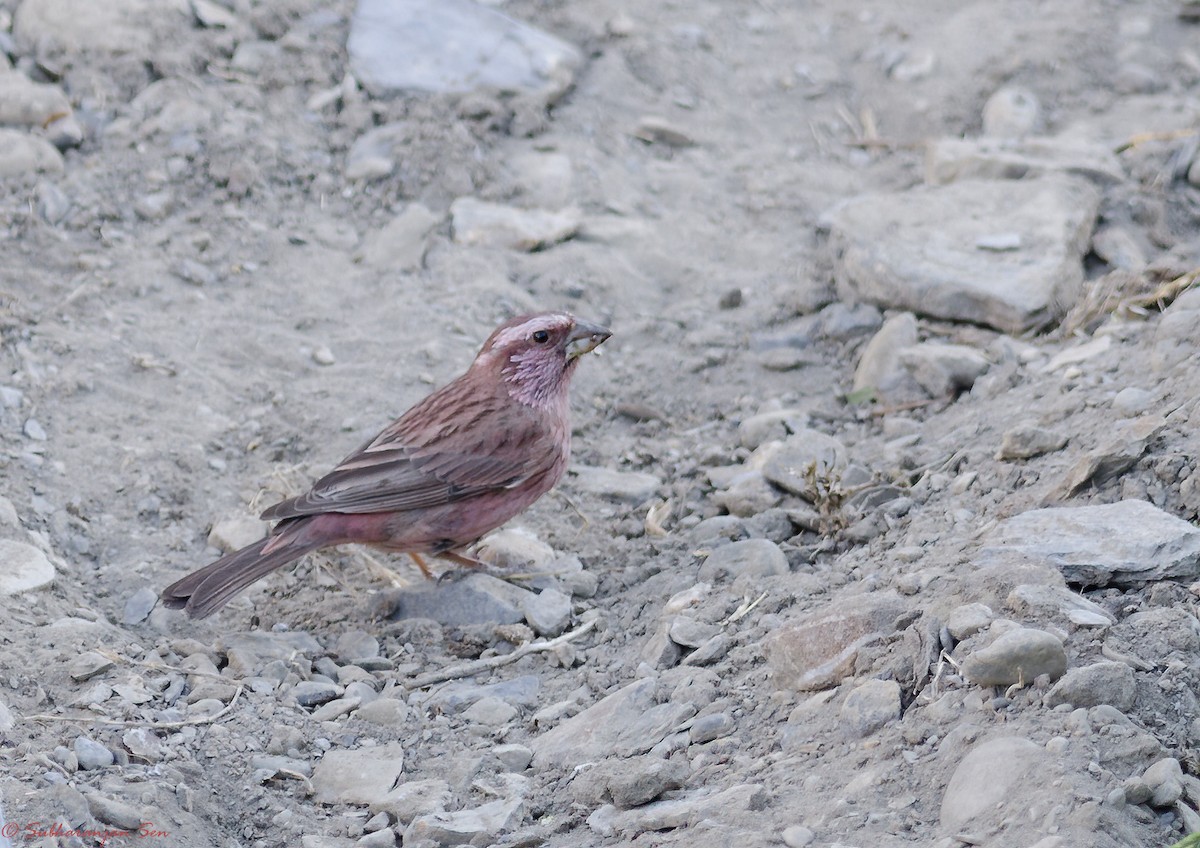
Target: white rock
362 776
915 249
22 154
401 244
485 224
454 46
1124 543
237 531
987 779
23 568
1011 112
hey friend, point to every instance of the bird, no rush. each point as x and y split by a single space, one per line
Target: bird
454 467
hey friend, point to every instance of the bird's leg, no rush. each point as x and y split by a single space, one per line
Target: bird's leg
420 561
467 565
463 559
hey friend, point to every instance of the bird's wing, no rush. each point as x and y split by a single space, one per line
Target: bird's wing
443 450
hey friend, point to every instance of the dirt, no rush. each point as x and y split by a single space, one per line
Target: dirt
174 360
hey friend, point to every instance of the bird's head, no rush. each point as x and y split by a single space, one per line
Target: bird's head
536 354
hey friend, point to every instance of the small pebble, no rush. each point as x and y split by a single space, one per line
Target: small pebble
34 430
797 836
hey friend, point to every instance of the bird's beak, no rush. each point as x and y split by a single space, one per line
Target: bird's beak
585 337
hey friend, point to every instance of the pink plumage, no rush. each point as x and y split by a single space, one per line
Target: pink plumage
457 465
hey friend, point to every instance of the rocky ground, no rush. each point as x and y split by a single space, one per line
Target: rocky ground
880 528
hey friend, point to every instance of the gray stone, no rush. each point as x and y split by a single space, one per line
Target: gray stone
1114 457
490 711
7 720
770 426
1034 599
1118 248
310 693
383 838
335 709
255 650
1131 401
374 154
840 321
74 27
139 605
389 712
710 727
989 776
1011 112
1095 684
639 780
91 754
356 645
797 836
33 429
28 104
943 369
951 159
194 273
516 548
236 532
1177 332
1028 440
870 706
632 486
711 651
543 178
114 812
363 776
969 619
805 463
481 223
480 825
414 798
1165 780
143 743
691 633
915 250
1017 656
819 651
878 368
748 494
655 130
513 756
23 568
89 664
625 723
155 206
403 241
1127 543
755 557
660 651
522 691
548 612
476 599
454 46
686 809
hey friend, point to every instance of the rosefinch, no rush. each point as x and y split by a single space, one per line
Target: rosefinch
457 465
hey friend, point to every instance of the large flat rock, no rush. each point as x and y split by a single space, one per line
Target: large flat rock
454 46
1128 543
1005 253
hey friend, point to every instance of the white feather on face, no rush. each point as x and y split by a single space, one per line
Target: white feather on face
553 323
536 371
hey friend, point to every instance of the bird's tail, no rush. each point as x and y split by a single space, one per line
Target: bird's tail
204 592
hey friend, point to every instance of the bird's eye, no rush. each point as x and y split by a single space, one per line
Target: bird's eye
541 336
